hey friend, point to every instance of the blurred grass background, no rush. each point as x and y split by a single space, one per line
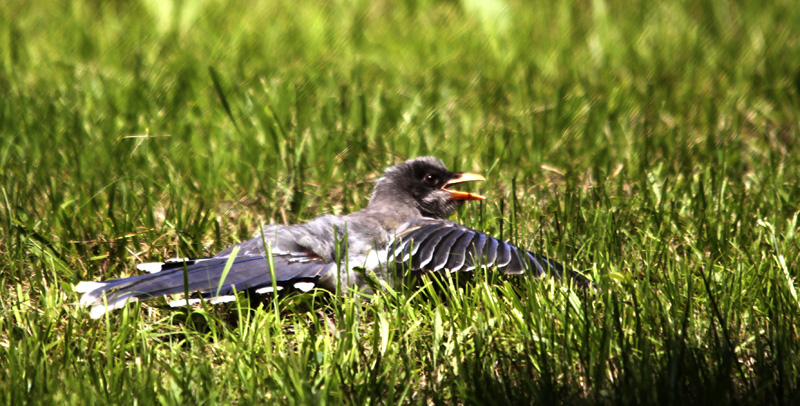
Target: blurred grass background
653 145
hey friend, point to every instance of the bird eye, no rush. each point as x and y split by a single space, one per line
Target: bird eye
430 179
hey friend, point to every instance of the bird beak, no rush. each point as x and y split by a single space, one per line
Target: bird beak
461 178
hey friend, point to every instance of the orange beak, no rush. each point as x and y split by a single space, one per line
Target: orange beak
461 178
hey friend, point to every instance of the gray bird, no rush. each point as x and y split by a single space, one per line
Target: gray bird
402 229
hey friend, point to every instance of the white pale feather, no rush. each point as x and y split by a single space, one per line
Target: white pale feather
222 299
150 267
268 289
182 302
99 310
88 286
304 286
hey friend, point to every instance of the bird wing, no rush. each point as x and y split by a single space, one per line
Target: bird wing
249 271
425 244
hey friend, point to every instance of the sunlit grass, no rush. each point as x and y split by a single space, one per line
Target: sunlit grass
651 145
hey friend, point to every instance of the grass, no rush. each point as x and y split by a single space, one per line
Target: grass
653 145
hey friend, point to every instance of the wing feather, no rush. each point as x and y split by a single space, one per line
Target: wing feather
515 265
503 254
458 253
441 244
490 252
425 254
442 253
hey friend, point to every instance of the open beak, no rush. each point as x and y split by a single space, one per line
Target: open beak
461 178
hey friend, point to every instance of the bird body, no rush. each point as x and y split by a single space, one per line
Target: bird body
402 227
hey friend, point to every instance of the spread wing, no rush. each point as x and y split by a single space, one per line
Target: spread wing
434 245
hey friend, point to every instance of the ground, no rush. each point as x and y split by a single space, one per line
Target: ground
652 145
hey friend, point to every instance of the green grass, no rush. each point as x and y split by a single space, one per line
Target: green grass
653 145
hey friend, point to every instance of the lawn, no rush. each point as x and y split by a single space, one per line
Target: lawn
652 145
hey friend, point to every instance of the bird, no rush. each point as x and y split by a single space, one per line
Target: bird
403 228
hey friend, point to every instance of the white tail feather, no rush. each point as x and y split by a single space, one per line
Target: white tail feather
88 286
304 286
222 299
150 267
268 289
182 302
99 310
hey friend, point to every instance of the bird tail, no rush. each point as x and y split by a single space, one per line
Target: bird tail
206 278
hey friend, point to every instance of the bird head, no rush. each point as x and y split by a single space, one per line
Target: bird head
425 183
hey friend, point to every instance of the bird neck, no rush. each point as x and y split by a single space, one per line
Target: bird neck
399 208
391 205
